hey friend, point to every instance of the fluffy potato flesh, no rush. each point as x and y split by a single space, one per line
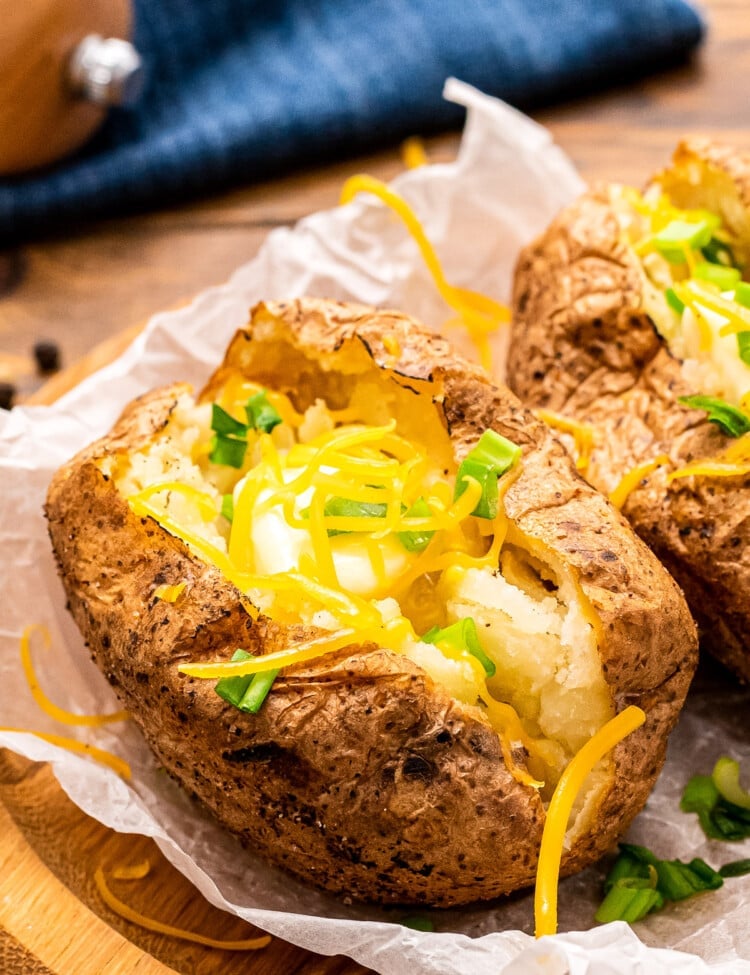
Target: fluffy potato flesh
403 766
625 308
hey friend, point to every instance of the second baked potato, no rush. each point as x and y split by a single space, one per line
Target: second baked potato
444 644
631 320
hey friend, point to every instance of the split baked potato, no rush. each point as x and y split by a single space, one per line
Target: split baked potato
631 319
451 639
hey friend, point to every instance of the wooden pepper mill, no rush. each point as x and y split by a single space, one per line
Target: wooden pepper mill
62 63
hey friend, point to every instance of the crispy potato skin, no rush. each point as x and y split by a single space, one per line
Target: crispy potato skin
361 775
582 344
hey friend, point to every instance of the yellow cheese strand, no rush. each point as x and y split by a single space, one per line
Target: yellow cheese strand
413 154
395 631
630 480
352 607
150 924
481 315
43 702
119 765
205 503
571 782
504 719
169 594
136 871
583 434
708 468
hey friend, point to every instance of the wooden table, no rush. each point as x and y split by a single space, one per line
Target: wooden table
95 285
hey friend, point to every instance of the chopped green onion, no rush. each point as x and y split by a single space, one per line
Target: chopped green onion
743 346
672 240
640 882
227 506
246 693
742 297
629 899
719 819
673 301
463 637
257 692
228 451
226 425
492 457
232 689
717 252
725 278
726 776
417 923
737 868
260 414
346 508
732 421
417 541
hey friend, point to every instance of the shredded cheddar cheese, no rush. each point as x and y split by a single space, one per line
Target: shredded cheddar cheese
632 478
169 594
733 462
395 632
49 707
582 433
118 765
556 824
414 153
151 924
480 314
135 871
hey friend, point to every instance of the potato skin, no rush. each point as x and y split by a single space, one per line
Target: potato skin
360 775
582 344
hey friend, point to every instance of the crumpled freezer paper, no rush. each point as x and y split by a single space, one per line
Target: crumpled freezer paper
506 184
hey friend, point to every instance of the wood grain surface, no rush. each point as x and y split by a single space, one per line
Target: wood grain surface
95 286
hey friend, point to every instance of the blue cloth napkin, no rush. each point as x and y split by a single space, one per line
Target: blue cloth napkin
239 90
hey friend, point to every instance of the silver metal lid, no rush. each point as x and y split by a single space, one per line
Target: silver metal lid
106 71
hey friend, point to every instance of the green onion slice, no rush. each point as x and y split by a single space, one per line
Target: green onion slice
672 240
726 777
417 541
717 252
737 868
227 506
336 507
462 637
725 278
492 457
675 303
629 899
226 425
732 421
417 923
246 693
260 414
228 451
719 819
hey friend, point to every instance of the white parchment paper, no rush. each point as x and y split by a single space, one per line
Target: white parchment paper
508 181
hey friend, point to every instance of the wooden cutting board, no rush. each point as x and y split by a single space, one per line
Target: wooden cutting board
52 918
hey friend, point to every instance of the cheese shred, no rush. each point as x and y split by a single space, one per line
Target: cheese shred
118 765
571 782
632 478
41 699
128 913
479 314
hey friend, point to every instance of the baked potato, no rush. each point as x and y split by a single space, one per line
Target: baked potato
437 668
630 319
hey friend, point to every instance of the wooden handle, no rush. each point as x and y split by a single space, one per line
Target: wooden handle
40 118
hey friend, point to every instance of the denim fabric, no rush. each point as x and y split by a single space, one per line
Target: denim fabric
243 89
